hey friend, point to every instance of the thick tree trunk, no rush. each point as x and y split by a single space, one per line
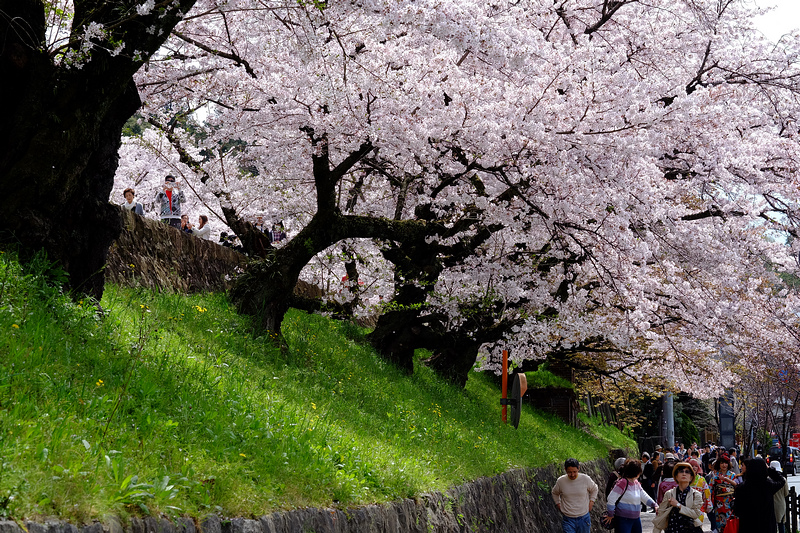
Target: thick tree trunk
397 335
60 131
56 186
454 358
264 291
58 168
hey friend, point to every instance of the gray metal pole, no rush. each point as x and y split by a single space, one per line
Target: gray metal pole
669 420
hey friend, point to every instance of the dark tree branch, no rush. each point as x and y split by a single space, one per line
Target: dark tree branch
227 55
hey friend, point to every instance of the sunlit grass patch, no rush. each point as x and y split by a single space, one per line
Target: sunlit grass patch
163 403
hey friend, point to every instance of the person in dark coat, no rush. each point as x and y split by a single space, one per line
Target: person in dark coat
646 479
753 499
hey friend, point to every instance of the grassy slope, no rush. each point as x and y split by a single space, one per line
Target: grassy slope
169 404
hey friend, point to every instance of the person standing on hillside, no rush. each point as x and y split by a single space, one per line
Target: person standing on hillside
574 495
186 226
129 204
203 230
277 234
169 202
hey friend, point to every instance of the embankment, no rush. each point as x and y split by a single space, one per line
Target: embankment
512 502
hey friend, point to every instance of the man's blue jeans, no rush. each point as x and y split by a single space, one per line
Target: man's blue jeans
576 525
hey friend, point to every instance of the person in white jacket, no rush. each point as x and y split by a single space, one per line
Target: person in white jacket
129 204
779 500
203 230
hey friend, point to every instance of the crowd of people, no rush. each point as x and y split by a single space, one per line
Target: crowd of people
684 487
168 203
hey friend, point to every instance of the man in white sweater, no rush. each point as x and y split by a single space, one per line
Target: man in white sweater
574 494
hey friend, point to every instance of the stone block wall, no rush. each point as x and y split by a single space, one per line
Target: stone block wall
512 502
151 254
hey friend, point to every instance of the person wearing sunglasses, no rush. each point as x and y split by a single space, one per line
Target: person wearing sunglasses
679 511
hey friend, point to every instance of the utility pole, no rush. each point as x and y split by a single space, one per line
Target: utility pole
668 420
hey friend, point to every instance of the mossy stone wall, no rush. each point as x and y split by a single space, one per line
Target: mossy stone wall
518 501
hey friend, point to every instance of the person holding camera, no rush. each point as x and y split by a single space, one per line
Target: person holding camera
169 201
186 226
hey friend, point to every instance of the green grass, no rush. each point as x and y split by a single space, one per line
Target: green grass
542 378
170 404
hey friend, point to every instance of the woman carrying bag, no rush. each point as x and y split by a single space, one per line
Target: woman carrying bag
626 499
679 511
722 484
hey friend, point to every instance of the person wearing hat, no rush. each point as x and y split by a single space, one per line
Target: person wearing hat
169 201
615 475
679 510
779 499
667 480
660 452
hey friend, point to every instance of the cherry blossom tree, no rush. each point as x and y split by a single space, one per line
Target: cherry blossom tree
587 180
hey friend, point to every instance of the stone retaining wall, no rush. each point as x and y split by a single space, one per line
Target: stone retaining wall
513 502
151 254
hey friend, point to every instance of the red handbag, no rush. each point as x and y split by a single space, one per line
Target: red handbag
732 525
